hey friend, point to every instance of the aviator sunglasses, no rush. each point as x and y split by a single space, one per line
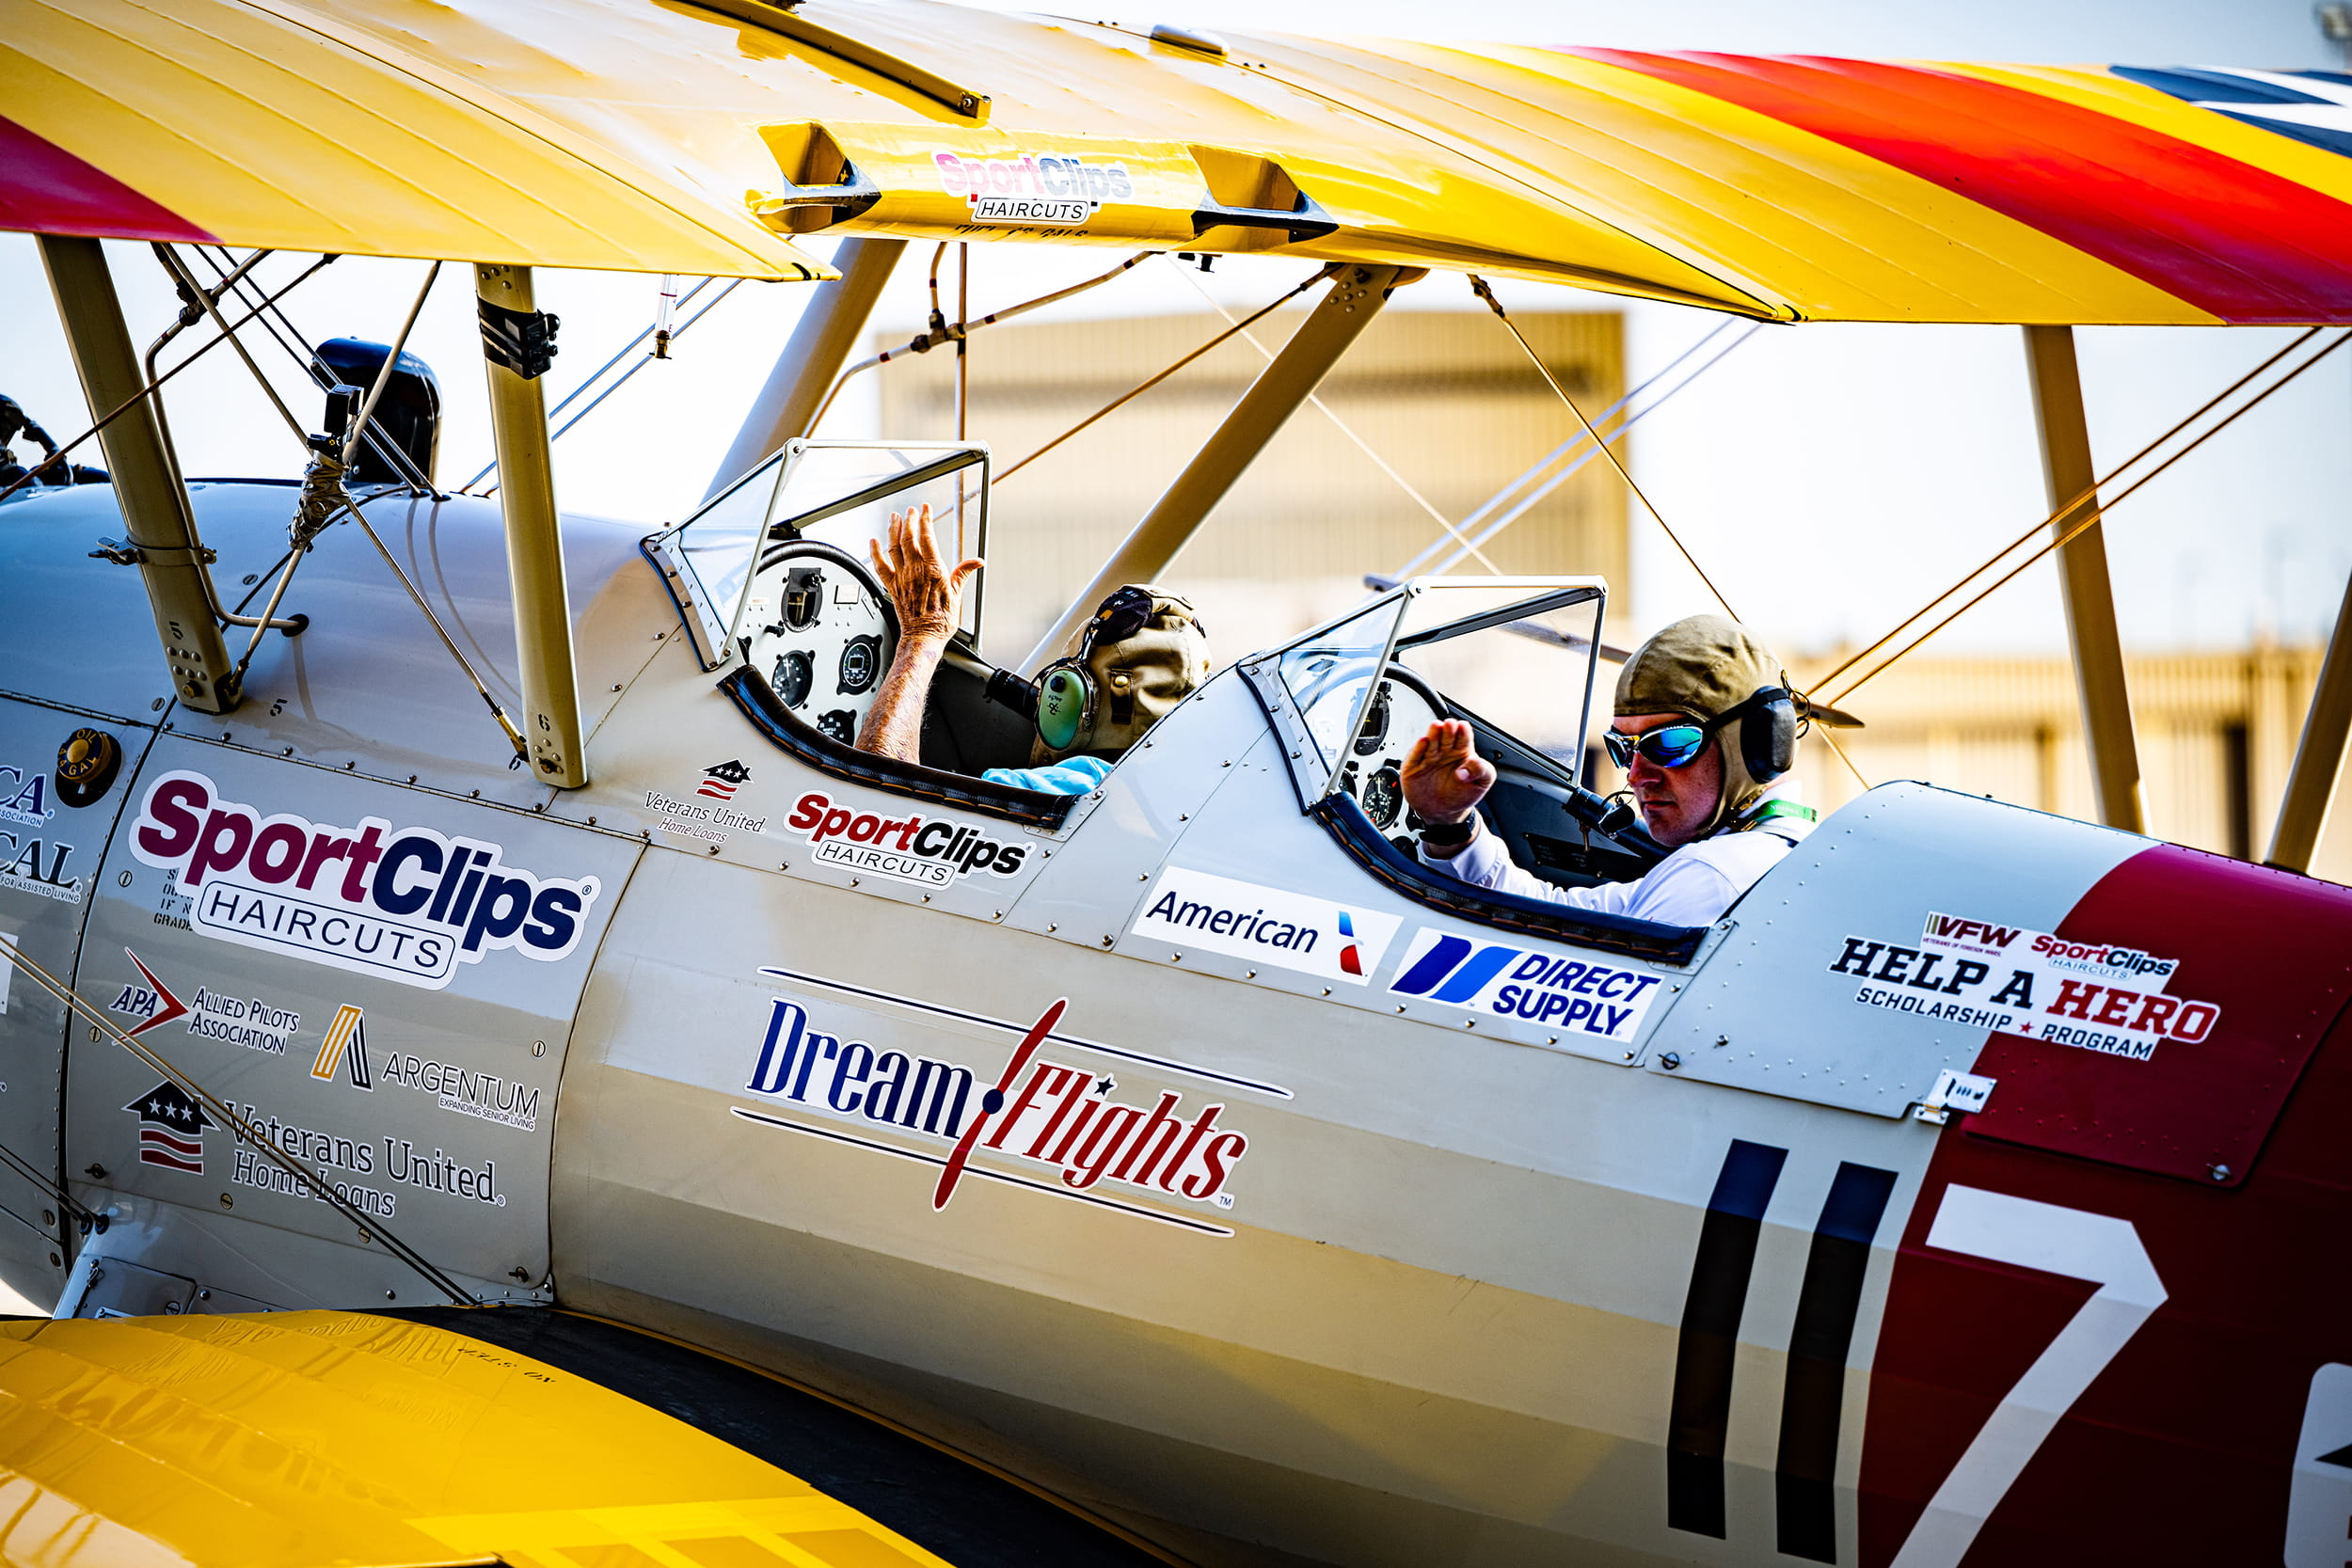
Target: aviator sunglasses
1668 745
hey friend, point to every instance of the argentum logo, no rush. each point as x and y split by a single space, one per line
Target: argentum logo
409 904
1265 924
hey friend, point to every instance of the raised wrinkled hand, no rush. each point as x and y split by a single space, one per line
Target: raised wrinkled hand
1445 777
927 594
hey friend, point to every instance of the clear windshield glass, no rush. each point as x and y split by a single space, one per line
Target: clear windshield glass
1521 663
1329 672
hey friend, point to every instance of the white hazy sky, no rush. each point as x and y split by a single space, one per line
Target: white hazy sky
1830 477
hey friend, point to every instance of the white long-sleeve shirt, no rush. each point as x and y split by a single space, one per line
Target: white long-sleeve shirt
1693 886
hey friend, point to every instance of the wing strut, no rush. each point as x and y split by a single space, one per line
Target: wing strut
517 342
1357 294
790 403
2082 563
154 503
2319 756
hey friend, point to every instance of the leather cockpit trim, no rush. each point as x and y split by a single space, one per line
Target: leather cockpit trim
752 693
1611 933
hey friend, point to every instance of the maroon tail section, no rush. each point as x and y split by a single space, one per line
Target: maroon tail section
2180 1452
46 190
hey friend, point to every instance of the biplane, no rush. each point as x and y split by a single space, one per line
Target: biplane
530 1090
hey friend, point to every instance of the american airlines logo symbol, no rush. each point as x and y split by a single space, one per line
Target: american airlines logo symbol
1550 990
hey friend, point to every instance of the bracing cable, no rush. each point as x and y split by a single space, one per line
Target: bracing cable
369 1226
2067 510
1479 287
1149 382
149 388
2090 519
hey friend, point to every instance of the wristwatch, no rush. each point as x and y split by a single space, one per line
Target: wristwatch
1448 835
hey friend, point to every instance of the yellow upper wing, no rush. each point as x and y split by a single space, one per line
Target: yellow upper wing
668 135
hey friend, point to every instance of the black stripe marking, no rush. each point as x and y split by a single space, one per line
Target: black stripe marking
1701 1412
1806 1475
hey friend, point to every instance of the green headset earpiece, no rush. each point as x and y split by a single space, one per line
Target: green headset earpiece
1065 697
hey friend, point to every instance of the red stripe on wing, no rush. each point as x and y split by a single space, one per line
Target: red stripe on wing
2238 240
46 190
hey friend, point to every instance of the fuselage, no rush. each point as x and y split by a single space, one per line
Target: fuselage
1311 1224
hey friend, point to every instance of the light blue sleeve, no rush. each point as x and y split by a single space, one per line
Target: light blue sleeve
1073 776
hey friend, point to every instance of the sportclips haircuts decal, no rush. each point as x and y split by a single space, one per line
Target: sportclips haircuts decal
409 904
2008 979
1060 1120
929 851
1031 189
1575 996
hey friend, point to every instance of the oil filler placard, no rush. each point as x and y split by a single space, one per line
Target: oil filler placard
1264 924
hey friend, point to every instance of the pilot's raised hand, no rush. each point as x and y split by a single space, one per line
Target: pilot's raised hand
929 600
928 597
1445 777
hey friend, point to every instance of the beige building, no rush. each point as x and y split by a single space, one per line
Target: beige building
1445 398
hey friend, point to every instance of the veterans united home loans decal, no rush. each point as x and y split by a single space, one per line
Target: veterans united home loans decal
1033 189
1264 924
1575 996
2094 996
407 904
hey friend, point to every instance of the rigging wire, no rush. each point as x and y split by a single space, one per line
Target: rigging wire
1527 475
1361 445
151 386
1147 382
1534 497
2086 523
308 363
1479 287
932 337
576 393
2088 493
620 381
369 1226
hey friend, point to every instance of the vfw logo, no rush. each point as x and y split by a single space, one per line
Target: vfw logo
1577 995
409 904
1059 1119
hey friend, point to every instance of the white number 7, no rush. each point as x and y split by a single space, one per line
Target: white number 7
2031 1235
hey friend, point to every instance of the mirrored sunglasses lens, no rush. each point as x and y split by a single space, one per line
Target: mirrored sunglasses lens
1674 745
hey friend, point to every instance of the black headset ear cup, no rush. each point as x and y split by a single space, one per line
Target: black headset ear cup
1768 734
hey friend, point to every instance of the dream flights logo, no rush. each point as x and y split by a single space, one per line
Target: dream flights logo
171 1129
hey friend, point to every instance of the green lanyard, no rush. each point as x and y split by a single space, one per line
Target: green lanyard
1772 809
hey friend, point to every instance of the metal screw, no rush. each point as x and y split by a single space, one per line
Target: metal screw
1721 1040
714 848
616 686
227 1202
2220 1173
97 1173
388 1296
520 1273
538 1047
48 1217
1670 1061
123 879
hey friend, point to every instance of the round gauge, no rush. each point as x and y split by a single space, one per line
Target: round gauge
841 724
794 674
1376 730
861 664
1383 795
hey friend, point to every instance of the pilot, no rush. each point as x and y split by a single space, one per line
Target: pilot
1143 651
1703 709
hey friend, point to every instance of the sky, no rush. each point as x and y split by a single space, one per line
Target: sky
1829 477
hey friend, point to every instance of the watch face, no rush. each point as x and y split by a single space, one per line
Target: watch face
861 665
840 723
1384 795
794 674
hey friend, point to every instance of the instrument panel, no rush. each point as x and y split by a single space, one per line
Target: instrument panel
821 632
